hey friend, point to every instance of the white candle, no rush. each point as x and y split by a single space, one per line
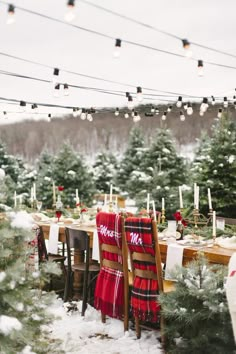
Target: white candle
54 192
105 200
195 195
209 198
77 195
34 191
214 224
162 203
31 194
148 202
180 198
15 201
111 193
154 210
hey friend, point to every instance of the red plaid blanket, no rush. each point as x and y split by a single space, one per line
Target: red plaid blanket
109 292
144 304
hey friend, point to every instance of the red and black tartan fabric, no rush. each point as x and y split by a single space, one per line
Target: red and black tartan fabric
109 291
144 304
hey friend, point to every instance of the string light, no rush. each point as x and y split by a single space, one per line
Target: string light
201 113
179 102
70 14
213 101
136 117
181 116
186 46
152 110
225 103
11 14
35 107
169 109
157 111
132 113
56 91
56 72
89 116
219 114
130 103
204 105
200 67
139 94
83 114
117 112
164 116
75 112
49 117
66 90
126 115
189 109
116 53
5 115
22 106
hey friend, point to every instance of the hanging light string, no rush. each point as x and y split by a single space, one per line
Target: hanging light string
154 28
104 35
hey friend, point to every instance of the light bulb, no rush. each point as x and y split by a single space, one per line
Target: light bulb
35 108
200 67
164 116
126 115
189 110
152 110
49 117
213 101
117 112
225 103
169 109
181 116
66 90
186 46
204 105
56 92
201 113
179 102
70 14
55 77
132 113
5 115
139 94
219 114
136 117
116 53
74 112
83 114
157 111
22 106
185 106
130 103
89 116
11 14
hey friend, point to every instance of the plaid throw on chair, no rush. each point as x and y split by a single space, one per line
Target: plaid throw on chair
109 292
144 293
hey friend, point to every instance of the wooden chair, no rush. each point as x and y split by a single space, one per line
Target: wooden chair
113 268
80 240
142 242
44 256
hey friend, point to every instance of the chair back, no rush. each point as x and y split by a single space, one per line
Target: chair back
42 249
76 239
142 242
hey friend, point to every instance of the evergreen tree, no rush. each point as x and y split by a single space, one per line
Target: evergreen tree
25 182
45 179
196 315
22 305
165 169
131 178
70 171
215 168
104 170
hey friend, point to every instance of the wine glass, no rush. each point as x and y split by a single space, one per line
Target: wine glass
58 215
39 205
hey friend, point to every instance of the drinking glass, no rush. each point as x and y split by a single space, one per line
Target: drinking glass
39 205
58 215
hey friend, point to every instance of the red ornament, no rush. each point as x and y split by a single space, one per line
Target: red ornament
84 210
60 188
177 216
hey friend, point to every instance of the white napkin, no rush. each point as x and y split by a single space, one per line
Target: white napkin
174 258
231 291
95 252
53 239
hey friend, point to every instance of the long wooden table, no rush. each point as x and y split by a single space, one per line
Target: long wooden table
217 255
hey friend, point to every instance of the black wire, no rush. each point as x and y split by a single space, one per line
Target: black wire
113 38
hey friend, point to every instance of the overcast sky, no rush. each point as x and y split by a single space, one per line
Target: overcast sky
209 22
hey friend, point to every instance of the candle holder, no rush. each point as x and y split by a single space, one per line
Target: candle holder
197 219
163 216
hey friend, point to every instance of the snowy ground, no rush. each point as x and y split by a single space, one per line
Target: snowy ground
88 335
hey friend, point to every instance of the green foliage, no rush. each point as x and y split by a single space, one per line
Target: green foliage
22 303
45 179
215 167
104 170
196 314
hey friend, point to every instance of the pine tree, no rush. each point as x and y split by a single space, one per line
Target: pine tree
165 169
45 179
196 314
22 304
104 170
215 168
70 171
131 178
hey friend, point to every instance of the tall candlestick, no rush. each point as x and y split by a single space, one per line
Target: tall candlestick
76 196
34 191
195 195
197 198
53 193
214 224
15 201
148 202
162 203
154 210
31 195
180 198
110 193
209 198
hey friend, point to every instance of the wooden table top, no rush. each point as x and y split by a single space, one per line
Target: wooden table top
216 255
